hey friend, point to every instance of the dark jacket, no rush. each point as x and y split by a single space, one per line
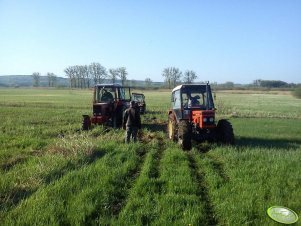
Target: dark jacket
131 118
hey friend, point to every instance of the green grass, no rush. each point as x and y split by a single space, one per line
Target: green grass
297 92
51 173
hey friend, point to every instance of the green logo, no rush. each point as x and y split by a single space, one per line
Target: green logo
282 214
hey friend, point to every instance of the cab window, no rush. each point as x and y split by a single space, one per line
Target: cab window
176 99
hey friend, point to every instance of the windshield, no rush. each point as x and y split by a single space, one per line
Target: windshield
105 94
138 97
197 97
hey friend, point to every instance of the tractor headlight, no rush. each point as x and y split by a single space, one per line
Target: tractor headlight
211 119
205 119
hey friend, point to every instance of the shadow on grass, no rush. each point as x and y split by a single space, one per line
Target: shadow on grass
156 127
255 142
153 112
97 154
15 196
10 163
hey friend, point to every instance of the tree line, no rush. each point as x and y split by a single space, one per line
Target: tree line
51 78
173 76
272 84
83 76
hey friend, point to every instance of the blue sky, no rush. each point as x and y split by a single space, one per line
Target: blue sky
230 40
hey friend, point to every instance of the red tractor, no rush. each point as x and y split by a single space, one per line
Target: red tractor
192 117
109 103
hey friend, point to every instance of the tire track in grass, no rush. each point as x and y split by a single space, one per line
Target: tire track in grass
119 197
203 191
87 196
10 163
147 186
13 197
218 166
215 177
155 170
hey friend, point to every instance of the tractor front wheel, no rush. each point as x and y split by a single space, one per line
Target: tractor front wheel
225 132
86 123
184 135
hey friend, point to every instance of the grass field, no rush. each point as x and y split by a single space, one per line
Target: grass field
54 174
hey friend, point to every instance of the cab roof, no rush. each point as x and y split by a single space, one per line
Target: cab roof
189 85
109 85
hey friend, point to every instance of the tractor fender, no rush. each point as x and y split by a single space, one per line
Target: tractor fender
172 115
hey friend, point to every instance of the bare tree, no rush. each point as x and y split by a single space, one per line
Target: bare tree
97 72
36 78
172 76
122 73
49 78
70 72
189 76
148 83
52 78
78 75
86 74
113 74
176 75
167 77
82 76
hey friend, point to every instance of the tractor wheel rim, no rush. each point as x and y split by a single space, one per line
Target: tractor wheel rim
170 129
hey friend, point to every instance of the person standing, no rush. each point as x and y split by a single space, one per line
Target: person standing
131 122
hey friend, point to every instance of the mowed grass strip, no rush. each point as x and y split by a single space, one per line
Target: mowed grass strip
243 185
43 167
261 170
179 203
93 194
141 206
169 196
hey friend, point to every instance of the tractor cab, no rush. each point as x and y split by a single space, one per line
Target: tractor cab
197 97
109 103
194 103
108 93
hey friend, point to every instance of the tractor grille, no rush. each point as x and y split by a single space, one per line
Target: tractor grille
204 119
102 109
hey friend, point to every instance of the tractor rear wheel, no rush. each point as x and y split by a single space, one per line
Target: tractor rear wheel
86 123
184 135
225 132
172 128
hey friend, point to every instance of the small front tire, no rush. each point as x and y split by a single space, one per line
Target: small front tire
86 123
184 135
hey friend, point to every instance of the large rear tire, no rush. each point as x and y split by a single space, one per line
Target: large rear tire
225 132
172 128
184 135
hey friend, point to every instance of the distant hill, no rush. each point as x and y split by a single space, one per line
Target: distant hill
27 81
